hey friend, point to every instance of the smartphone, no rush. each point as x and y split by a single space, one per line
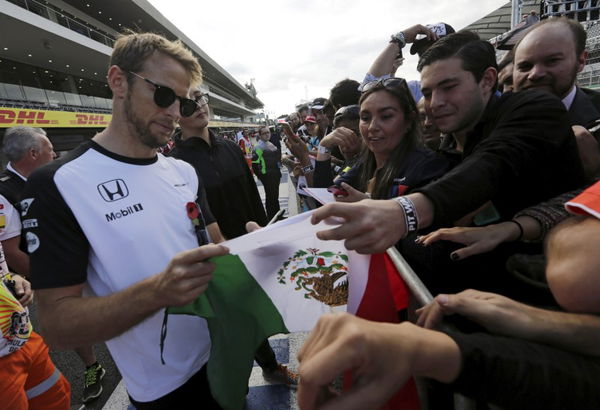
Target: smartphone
337 191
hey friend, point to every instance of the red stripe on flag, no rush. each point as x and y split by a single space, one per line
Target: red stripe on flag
397 285
386 294
377 303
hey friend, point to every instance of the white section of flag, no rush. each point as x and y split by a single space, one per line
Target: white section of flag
263 252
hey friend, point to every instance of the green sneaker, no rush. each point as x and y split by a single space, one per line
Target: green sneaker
93 382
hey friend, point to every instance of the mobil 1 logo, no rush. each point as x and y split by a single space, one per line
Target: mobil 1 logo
123 212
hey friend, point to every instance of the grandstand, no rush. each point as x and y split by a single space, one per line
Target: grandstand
53 60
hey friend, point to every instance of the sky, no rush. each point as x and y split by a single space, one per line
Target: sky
294 50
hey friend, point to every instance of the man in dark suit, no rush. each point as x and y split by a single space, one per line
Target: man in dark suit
585 110
549 57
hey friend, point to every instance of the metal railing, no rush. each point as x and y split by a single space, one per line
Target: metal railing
60 18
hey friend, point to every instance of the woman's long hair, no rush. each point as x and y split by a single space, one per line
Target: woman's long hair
384 177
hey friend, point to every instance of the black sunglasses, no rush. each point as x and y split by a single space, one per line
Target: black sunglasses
165 96
392 82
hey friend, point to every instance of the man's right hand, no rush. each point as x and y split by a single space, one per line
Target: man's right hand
187 275
369 226
379 354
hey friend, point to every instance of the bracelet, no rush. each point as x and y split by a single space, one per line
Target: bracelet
324 150
520 229
410 213
399 39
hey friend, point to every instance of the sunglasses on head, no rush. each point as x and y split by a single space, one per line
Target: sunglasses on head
392 82
165 96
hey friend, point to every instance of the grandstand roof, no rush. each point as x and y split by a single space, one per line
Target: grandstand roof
494 24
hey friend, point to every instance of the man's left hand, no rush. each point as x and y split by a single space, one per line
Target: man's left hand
498 314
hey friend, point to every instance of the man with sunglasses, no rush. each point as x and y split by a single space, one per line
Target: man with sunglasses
131 226
230 187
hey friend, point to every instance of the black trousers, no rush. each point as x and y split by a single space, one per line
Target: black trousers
271 181
519 374
265 357
194 394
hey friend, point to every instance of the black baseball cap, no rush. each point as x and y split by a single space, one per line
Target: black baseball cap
318 103
349 112
441 29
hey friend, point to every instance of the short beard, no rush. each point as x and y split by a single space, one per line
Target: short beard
139 127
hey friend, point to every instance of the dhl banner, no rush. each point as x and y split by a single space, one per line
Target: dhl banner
10 117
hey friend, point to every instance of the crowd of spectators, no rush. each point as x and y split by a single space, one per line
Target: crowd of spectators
514 142
479 162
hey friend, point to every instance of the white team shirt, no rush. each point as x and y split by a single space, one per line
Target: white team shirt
115 221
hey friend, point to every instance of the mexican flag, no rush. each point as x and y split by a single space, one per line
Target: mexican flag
281 279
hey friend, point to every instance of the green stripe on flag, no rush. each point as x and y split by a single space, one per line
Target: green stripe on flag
240 317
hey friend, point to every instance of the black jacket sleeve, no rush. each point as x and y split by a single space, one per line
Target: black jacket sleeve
517 374
521 153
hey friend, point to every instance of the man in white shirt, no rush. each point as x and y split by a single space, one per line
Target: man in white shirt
132 226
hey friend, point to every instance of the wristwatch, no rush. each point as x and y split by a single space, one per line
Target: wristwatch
324 150
398 38
308 168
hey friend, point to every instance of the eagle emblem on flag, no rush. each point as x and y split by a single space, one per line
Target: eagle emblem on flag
321 275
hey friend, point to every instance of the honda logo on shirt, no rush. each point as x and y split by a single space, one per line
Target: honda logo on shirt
113 190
